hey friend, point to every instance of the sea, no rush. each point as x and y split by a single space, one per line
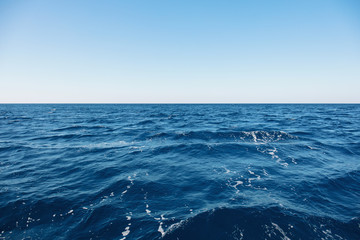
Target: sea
180 171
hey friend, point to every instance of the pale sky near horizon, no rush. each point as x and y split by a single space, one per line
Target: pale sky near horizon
180 51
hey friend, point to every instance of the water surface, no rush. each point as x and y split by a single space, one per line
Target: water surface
179 171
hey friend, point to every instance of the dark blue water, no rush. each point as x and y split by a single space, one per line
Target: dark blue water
179 171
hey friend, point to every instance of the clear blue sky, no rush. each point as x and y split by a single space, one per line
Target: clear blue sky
180 51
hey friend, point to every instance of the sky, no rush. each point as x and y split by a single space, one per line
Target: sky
205 51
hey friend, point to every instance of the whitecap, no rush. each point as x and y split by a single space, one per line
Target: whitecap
280 230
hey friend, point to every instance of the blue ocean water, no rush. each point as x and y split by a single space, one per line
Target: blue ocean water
179 171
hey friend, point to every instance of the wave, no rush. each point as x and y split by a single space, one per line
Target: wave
79 127
146 122
64 137
14 147
261 223
245 136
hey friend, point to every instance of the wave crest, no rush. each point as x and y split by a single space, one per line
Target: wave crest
261 223
241 136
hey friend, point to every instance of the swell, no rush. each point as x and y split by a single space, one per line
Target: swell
79 127
246 136
66 137
261 223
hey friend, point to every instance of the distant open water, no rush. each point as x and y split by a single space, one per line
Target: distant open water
179 171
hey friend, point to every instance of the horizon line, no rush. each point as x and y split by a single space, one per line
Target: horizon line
168 103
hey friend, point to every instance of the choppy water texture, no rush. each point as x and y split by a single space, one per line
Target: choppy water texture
179 171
